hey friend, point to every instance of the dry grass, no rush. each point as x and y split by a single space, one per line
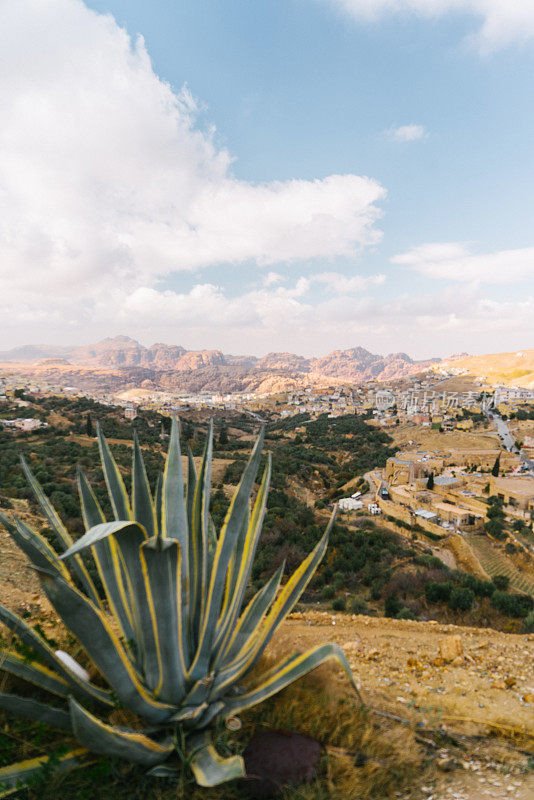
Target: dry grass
321 706
465 558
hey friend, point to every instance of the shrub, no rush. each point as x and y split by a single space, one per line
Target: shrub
377 587
529 623
358 606
339 604
513 605
438 592
392 606
405 613
328 592
432 562
461 598
501 582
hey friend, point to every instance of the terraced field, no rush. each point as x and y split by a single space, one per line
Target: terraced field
496 563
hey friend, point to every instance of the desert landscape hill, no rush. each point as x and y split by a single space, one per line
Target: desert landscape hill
510 369
120 362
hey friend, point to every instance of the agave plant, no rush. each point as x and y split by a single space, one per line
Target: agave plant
169 634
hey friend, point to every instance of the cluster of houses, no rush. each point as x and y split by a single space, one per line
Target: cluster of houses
414 401
451 488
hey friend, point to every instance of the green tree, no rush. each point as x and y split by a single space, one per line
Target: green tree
430 481
496 467
223 435
89 426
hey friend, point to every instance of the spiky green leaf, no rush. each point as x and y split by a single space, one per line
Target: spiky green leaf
107 740
33 709
209 768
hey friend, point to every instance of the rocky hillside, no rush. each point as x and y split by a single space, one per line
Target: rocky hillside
511 369
121 361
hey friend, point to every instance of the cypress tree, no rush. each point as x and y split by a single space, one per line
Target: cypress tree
430 481
89 426
496 467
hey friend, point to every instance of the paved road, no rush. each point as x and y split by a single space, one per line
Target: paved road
507 440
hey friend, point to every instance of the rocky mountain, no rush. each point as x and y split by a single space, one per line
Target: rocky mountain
122 361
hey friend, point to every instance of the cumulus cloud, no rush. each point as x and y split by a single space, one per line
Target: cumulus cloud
454 261
407 133
503 21
343 284
285 318
106 178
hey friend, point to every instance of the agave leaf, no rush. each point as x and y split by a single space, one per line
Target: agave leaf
199 521
191 485
129 537
32 709
174 518
14 776
259 639
107 740
107 561
209 768
35 673
158 501
93 630
61 532
160 560
253 615
244 561
189 713
116 489
225 545
143 508
83 689
101 532
231 578
278 678
91 511
34 546
213 710
164 771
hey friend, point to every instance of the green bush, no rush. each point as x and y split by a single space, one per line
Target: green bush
358 606
513 605
392 606
339 604
501 582
377 587
328 592
529 623
436 592
405 613
461 598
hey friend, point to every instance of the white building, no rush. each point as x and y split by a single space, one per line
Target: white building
350 504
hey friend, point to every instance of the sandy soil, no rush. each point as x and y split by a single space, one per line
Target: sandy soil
487 692
428 439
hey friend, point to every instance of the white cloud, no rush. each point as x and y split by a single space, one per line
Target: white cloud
407 133
343 284
503 21
285 319
454 261
272 278
106 179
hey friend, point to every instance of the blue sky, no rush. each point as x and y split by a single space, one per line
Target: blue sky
335 173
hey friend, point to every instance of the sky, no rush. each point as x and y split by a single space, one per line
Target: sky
268 175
